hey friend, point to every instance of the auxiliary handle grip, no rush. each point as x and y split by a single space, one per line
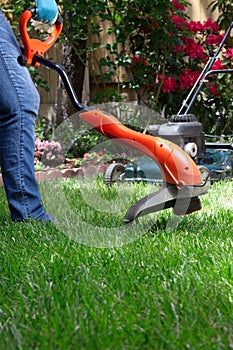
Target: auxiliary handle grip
35 46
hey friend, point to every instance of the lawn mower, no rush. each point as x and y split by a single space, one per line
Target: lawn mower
183 180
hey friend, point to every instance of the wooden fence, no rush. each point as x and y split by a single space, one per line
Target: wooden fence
198 11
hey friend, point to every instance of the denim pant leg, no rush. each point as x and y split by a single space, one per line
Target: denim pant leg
19 103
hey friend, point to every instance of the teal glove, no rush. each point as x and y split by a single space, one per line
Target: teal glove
47 11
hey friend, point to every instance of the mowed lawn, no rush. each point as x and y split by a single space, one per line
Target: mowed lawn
169 287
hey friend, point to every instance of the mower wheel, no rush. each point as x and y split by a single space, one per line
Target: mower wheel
114 173
175 118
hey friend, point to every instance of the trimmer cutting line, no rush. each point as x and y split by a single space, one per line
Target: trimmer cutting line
183 183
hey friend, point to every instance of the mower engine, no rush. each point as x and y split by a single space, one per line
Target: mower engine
188 135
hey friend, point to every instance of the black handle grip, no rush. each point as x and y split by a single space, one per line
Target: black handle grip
59 20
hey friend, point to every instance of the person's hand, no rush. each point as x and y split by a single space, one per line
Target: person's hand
42 27
47 11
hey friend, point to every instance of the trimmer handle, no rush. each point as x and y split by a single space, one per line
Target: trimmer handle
35 46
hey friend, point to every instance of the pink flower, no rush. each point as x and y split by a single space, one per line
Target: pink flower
210 25
213 39
177 5
188 78
218 65
49 155
47 149
229 52
195 26
179 21
37 153
179 48
194 50
169 84
213 89
40 145
37 140
139 59
85 156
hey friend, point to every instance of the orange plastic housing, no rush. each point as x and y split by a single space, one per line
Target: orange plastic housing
176 166
36 46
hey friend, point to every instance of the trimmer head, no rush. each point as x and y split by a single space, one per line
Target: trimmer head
183 201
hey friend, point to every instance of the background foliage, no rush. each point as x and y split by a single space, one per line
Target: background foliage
160 49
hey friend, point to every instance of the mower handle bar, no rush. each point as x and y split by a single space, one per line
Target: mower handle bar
210 72
206 71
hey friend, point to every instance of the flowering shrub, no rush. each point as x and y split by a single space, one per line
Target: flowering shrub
164 52
167 79
47 152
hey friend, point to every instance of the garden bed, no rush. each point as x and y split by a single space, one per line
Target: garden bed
68 170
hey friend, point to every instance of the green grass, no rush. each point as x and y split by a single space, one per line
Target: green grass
169 287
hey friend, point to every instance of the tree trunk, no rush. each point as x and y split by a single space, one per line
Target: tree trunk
75 68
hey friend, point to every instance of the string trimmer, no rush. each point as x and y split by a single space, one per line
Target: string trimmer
183 183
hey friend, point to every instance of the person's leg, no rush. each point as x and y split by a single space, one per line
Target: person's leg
19 103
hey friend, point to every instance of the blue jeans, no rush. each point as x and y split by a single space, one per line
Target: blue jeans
19 103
